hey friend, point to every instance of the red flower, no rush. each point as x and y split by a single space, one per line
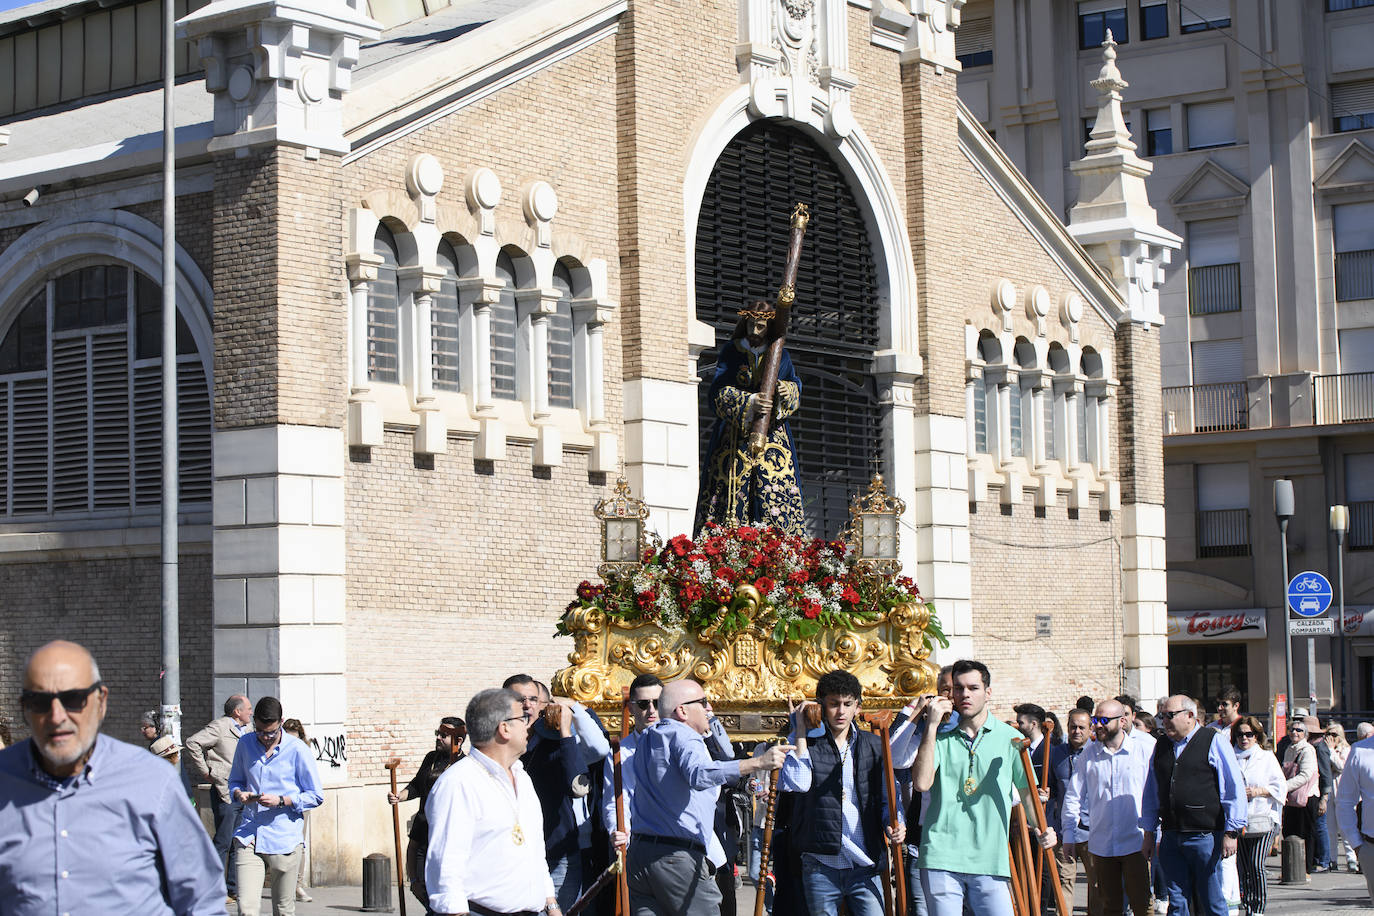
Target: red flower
798 578
758 559
713 548
764 585
691 593
588 592
850 596
681 545
646 599
747 533
813 610
726 574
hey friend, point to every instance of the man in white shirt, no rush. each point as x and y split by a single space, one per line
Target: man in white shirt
486 828
1356 787
1108 780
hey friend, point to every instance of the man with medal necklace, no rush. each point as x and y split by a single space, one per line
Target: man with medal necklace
486 828
974 776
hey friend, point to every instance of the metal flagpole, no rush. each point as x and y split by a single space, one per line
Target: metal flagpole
171 625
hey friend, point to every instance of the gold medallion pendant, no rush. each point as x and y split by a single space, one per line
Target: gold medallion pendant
517 836
970 786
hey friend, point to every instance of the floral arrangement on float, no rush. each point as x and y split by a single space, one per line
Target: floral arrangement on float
731 579
755 614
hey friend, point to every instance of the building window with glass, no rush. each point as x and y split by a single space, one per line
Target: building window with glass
1359 497
561 340
445 313
1154 19
1352 105
504 322
1223 510
973 43
1159 134
1353 231
1213 266
383 303
1096 18
1202 15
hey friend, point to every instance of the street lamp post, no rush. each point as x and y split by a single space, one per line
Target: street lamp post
1340 524
1283 511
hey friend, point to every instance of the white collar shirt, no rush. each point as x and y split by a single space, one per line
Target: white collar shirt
474 856
1357 785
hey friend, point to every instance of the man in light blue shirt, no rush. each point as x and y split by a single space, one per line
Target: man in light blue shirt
1108 780
90 824
674 804
273 776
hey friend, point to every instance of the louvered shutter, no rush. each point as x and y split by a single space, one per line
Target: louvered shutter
973 42
444 314
741 248
1217 361
6 460
1352 104
1211 124
193 432
110 420
1047 417
71 424
148 434
29 430
561 342
503 326
383 316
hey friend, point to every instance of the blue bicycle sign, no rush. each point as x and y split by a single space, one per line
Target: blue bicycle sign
1309 594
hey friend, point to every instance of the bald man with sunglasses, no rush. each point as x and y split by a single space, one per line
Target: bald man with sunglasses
90 823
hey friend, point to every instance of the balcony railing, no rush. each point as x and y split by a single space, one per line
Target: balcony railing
1355 275
1223 533
1361 535
1344 398
1214 289
1205 408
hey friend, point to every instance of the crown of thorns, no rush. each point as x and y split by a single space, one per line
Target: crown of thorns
759 308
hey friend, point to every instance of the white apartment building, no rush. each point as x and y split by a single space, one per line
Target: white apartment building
1258 118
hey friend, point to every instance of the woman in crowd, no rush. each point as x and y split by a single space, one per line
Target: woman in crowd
1266 788
1300 770
297 728
1146 724
1340 750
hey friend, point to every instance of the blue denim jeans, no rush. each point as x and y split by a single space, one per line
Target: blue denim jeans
226 815
1321 840
915 897
948 891
566 873
1192 870
825 887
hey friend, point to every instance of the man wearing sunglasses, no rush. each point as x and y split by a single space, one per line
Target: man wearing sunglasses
644 693
670 864
89 821
274 777
448 750
1195 791
1108 780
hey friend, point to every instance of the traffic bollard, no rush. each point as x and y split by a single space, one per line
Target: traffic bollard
1294 856
377 883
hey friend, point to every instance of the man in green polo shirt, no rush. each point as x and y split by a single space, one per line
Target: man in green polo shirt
974 775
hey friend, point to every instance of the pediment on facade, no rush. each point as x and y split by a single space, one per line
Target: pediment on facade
1353 169
1209 186
1186 586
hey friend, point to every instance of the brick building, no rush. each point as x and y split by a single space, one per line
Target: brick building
443 276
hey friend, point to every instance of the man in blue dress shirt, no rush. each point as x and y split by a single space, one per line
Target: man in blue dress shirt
273 776
674 804
89 824
1195 791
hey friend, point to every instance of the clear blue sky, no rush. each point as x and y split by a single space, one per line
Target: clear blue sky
11 4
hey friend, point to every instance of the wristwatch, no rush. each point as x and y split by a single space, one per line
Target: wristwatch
1233 834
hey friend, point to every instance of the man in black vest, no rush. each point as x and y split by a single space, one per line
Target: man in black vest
1196 792
839 827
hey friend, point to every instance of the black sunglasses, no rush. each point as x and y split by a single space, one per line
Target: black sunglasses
39 702
704 701
643 705
1246 734
1167 716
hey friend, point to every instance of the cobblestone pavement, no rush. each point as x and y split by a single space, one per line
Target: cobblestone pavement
1334 894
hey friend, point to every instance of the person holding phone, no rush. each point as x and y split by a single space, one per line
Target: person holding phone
273 777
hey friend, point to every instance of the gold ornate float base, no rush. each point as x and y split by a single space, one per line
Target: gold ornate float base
748 680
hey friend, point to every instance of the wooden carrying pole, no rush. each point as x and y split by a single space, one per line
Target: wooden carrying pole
622 881
1039 810
777 333
391 765
1018 899
894 804
765 851
1030 868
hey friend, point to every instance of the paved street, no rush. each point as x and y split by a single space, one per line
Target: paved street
1336 894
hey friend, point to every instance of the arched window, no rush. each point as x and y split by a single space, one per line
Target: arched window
503 326
81 399
990 352
1087 414
1022 402
383 300
1054 402
741 249
561 340
445 310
